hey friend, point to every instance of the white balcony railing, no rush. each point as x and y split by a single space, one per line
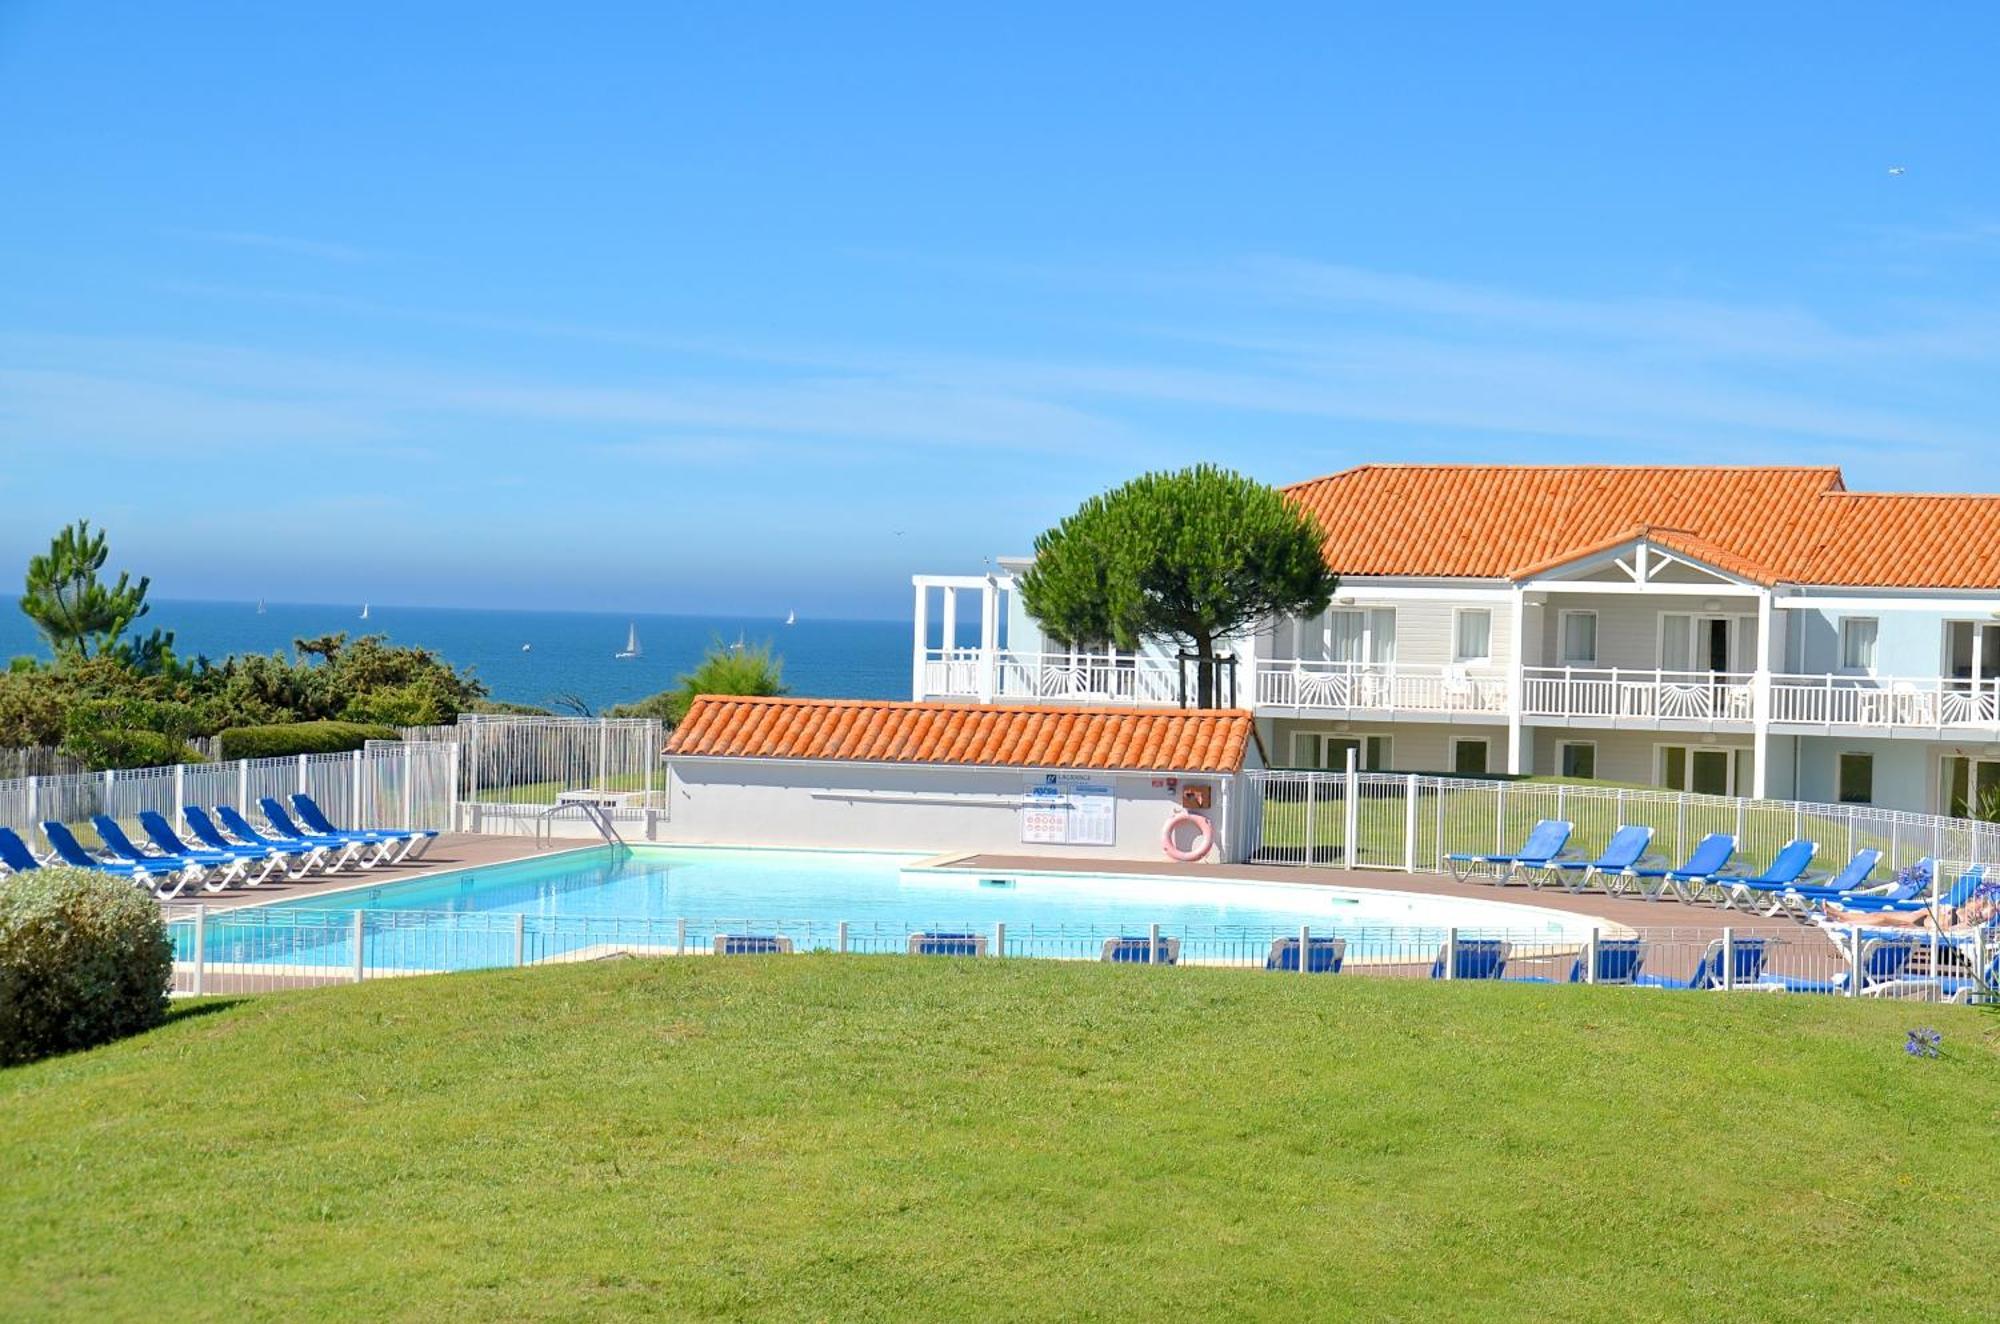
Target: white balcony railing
1616 694
1379 687
965 673
1885 701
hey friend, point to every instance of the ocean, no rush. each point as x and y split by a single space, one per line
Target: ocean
535 656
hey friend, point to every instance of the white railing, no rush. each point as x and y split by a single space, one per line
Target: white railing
268 948
1619 694
966 673
390 784
1346 687
1886 701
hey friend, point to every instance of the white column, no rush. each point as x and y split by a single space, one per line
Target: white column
1516 746
920 618
1760 703
989 638
950 621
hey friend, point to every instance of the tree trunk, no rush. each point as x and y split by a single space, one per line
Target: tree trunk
1204 648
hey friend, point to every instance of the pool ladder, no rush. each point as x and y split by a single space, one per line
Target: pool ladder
595 813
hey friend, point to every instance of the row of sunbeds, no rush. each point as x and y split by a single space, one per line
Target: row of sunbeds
1711 874
1883 965
226 849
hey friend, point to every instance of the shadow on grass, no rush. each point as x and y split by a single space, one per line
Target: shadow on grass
186 1008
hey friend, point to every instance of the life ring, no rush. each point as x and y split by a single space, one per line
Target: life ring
1204 838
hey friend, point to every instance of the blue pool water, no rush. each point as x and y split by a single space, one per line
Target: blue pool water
657 897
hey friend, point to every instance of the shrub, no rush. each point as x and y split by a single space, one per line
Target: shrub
270 742
84 959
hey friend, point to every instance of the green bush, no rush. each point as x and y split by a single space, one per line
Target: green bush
84 959
270 742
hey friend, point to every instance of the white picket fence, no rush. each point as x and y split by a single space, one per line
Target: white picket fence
388 784
1409 822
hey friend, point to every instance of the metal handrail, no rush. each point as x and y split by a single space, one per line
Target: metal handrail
594 812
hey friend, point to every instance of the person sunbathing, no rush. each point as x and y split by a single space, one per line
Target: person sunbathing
1983 908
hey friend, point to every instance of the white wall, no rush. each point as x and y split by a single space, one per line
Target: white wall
777 802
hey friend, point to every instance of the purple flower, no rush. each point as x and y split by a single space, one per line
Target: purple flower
1924 1042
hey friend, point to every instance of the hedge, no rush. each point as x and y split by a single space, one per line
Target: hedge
270 742
84 959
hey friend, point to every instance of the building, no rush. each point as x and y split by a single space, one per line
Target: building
1746 631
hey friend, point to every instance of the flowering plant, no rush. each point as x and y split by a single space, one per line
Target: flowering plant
1924 1042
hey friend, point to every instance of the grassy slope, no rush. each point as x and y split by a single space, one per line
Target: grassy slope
850 1137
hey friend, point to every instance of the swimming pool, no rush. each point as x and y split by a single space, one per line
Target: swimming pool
681 898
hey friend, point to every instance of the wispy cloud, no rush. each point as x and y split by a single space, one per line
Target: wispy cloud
291 245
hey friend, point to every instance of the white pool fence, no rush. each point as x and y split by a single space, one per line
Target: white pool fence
263 949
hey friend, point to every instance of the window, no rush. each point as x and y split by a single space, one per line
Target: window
1310 749
1969 786
1577 758
1468 758
1702 769
1350 635
1579 638
1857 779
1473 635
1857 643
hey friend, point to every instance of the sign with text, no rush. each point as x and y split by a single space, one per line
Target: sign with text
1068 809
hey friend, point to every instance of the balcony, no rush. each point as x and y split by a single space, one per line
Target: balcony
1887 704
1615 696
1385 688
1007 676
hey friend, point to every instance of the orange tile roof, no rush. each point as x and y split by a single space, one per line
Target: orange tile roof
1792 525
880 731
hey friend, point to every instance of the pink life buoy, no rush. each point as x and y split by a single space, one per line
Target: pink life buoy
1203 843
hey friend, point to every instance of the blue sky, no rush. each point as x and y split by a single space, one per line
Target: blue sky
741 308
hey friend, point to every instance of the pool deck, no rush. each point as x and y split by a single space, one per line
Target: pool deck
460 850
1614 909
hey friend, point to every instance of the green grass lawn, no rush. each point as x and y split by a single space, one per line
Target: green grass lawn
849 1137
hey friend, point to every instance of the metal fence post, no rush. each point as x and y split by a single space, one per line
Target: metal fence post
1305 946
409 789
200 949
840 937
1853 959
243 785
1000 938
180 791
354 793
1410 823
1451 953
34 799
681 936
520 939
1590 955
1152 944
1312 796
1728 958
302 774
1351 819
360 946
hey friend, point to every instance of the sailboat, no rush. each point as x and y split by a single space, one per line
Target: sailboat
364 611
631 648
260 606
791 618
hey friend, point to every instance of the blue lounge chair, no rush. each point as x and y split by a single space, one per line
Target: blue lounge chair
1708 971
1617 961
1475 958
1323 955
1960 893
356 850
330 855
1139 951
165 880
1625 852
1883 961
1711 855
947 944
1787 869
1538 853
161 833
415 841
752 944
1799 899
15 857
123 850
1943 987
299 862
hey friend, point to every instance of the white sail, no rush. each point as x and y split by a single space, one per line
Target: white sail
631 648
364 611
791 618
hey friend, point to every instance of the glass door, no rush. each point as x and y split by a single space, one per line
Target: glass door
1969 785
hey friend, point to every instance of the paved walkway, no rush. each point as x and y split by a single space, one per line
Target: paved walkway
450 851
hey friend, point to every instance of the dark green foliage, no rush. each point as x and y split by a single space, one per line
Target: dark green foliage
724 669
270 742
84 959
1189 557
79 615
